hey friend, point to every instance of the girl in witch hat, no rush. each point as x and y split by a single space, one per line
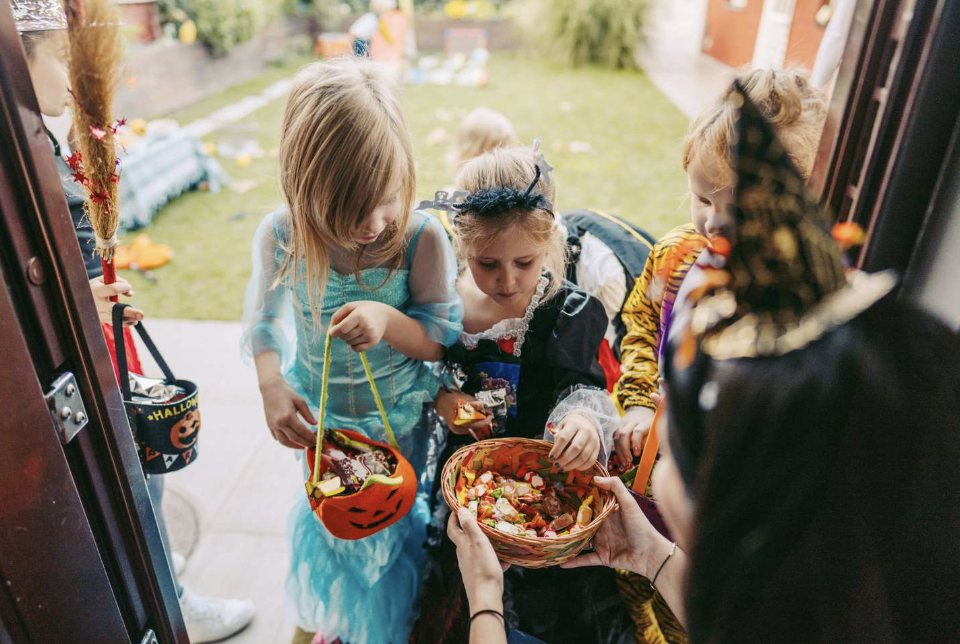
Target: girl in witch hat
42 27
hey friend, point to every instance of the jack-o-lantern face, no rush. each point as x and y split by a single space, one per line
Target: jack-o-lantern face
184 433
359 515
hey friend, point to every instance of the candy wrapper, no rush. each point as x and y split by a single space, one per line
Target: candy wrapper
536 504
467 413
495 402
350 464
154 391
453 377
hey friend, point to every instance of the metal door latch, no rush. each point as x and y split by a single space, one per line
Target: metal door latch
149 638
67 407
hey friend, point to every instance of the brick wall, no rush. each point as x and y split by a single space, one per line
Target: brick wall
171 76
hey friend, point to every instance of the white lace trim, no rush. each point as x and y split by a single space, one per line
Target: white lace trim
511 327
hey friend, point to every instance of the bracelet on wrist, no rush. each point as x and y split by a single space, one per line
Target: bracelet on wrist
673 549
485 611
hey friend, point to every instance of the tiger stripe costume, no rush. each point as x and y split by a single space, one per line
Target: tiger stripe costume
647 312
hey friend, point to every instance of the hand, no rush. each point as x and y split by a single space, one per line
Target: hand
284 409
632 433
361 324
577 443
482 572
446 405
102 294
626 539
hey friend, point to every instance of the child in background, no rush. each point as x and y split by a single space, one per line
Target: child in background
530 342
482 130
347 258
367 25
797 111
42 27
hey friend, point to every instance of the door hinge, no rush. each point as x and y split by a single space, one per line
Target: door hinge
67 408
149 638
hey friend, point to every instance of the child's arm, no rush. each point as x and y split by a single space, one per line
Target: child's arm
638 359
583 418
434 318
102 294
364 324
667 265
264 340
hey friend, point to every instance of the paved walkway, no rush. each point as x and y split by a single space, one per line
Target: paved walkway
672 59
241 486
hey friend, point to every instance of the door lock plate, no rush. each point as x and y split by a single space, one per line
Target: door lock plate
67 407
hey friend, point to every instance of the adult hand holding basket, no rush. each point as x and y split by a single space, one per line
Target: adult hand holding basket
515 457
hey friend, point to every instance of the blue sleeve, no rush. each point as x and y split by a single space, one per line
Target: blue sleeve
267 320
433 274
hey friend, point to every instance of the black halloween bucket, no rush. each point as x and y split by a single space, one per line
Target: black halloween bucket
165 432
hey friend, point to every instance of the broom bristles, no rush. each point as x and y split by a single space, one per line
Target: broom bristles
95 52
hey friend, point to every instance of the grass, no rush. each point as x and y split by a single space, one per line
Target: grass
633 169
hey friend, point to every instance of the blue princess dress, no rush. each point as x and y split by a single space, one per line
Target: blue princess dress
363 592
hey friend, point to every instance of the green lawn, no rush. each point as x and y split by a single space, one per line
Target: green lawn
632 170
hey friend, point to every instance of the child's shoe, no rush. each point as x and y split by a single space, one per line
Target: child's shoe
209 619
179 563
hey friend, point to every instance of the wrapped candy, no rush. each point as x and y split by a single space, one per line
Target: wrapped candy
495 401
154 391
467 413
518 507
353 462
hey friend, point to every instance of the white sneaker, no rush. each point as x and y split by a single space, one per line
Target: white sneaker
179 563
209 619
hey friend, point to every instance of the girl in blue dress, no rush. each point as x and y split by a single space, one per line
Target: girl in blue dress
347 257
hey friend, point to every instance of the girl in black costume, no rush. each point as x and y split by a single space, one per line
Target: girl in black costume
528 355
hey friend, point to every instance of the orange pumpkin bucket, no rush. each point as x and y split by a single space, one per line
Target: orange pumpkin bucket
382 500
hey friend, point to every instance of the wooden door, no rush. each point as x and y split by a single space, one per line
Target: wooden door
81 558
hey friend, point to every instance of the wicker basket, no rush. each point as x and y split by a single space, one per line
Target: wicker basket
506 456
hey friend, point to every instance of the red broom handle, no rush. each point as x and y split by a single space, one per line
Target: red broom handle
109 276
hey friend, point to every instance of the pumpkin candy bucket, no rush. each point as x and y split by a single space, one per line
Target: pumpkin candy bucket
357 486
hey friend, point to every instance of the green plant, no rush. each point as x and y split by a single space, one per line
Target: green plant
222 24
581 32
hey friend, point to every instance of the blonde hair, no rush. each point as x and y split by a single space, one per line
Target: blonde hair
343 147
796 109
481 131
512 168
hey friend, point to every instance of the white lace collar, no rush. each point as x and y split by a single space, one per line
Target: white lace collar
511 327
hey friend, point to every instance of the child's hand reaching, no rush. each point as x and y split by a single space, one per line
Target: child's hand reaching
362 324
577 443
283 409
102 294
446 405
633 430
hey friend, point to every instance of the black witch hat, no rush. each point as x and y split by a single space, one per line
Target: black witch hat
785 285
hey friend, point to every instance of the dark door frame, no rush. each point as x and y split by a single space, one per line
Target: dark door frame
890 123
45 279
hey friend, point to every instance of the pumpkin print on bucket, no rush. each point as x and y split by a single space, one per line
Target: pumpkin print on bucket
184 433
381 500
376 506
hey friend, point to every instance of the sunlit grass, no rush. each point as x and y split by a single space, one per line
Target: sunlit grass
633 168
